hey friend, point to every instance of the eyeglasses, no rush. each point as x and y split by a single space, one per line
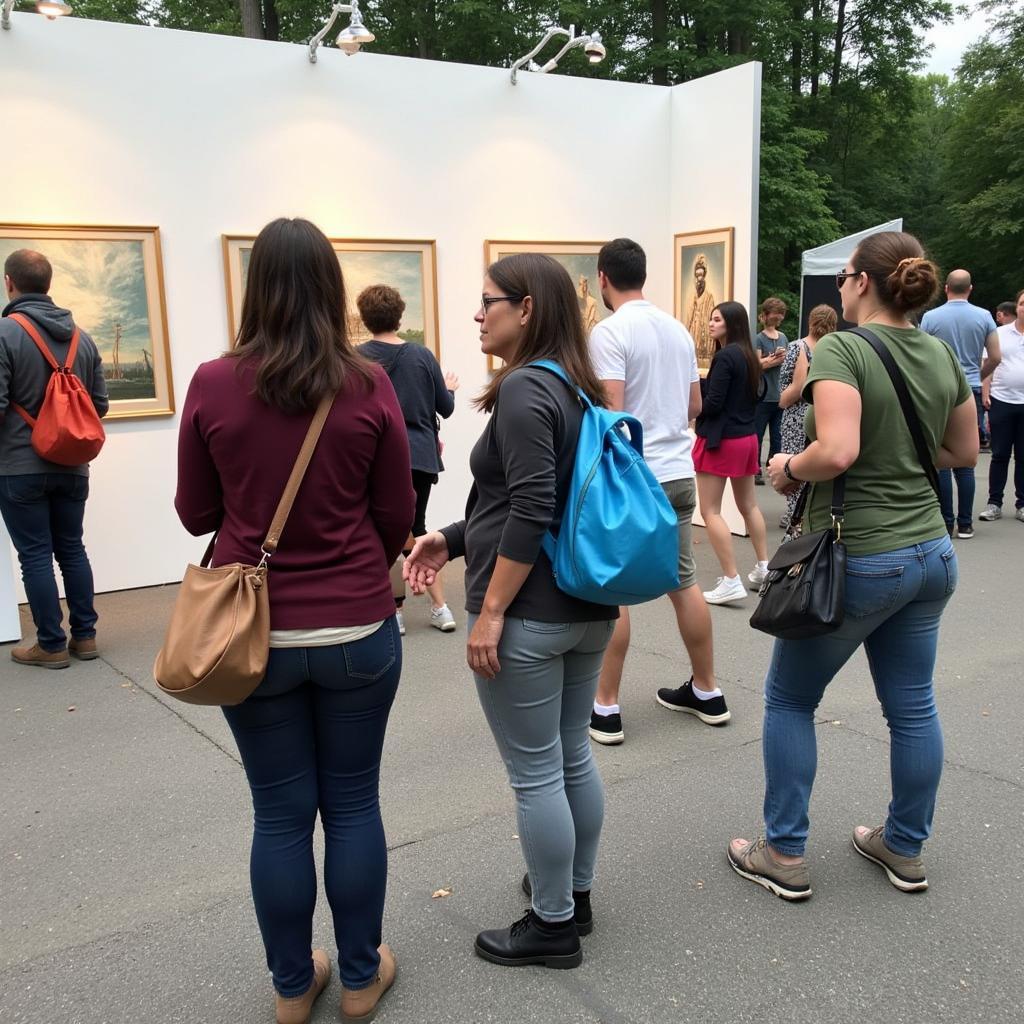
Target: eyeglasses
843 275
486 301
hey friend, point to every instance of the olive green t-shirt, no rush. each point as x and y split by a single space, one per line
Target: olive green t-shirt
889 502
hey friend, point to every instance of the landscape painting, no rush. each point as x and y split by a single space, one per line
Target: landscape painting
111 278
408 266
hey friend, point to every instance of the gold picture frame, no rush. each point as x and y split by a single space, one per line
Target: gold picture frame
410 265
111 278
714 250
578 258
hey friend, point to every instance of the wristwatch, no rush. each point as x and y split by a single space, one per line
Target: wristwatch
789 472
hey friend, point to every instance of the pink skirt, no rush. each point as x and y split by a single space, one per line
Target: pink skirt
735 456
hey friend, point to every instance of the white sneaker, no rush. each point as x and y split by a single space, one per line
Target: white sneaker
758 576
1019 515
401 623
990 513
442 619
726 591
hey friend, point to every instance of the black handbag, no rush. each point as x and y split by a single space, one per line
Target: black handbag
804 592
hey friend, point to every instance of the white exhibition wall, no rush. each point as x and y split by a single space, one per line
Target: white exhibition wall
202 135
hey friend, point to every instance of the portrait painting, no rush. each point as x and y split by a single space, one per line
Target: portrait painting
703 278
578 258
408 266
111 278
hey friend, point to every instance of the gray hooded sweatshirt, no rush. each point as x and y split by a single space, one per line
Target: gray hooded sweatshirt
24 374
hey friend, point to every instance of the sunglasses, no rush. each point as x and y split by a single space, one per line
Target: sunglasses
843 275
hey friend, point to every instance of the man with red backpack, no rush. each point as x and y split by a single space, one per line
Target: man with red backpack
52 393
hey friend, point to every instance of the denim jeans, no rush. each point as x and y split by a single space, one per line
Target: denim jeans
538 708
894 602
982 432
964 476
1006 421
768 414
310 738
43 513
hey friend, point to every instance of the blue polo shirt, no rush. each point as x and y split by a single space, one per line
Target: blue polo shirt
963 328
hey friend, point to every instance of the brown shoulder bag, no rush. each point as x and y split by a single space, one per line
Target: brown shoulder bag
218 639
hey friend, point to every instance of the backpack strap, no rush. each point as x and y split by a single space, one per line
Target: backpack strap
30 329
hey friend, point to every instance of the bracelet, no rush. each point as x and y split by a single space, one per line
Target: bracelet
789 472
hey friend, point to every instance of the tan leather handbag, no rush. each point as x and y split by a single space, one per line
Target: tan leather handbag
218 640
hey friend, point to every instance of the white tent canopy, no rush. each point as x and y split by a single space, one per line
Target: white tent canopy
830 258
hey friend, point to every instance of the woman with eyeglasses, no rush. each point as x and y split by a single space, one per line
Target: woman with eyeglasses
901 567
535 652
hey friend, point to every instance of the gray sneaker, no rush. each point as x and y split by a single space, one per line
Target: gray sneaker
990 513
755 861
442 619
906 873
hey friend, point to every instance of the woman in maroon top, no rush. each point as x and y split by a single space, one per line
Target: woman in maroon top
311 734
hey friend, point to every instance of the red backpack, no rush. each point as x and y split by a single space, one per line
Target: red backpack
68 429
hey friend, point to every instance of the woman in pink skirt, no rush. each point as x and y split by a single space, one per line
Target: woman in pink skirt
726 448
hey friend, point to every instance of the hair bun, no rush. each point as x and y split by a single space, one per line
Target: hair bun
913 283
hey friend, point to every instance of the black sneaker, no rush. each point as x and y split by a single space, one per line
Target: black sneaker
532 940
584 916
710 712
965 532
759 479
606 729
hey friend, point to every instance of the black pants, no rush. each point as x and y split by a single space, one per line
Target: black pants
1006 424
421 484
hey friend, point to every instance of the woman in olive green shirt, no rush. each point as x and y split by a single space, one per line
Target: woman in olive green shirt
901 567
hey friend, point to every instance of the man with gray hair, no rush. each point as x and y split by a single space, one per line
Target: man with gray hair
970 332
43 503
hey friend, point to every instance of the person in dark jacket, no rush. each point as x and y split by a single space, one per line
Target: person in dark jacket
535 652
311 734
424 393
43 503
726 448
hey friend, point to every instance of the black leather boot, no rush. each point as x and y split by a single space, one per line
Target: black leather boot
532 940
584 916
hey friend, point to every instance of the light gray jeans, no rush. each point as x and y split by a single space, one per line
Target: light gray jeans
538 708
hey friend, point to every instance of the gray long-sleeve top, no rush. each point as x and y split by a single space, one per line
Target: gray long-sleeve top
522 465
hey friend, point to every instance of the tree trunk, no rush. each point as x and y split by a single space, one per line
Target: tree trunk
271 22
837 56
428 31
797 60
659 37
815 48
252 19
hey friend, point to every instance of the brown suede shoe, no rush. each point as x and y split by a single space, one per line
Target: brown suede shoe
906 873
83 650
36 656
296 1009
360 1005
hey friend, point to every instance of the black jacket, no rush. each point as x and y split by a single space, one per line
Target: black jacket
729 407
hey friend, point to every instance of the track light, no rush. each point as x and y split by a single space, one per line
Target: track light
50 9
351 38
592 46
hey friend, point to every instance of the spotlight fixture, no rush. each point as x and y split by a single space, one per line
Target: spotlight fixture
351 38
50 9
592 46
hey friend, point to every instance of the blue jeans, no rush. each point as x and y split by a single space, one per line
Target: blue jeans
768 414
964 492
310 738
982 432
894 602
43 513
538 708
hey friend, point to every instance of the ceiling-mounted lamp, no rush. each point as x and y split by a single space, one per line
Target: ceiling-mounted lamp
351 38
592 46
49 8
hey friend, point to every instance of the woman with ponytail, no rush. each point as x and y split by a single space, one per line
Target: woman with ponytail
901 567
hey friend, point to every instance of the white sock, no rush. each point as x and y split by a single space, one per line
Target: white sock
441 608
604 710
734 579
762 565
706 694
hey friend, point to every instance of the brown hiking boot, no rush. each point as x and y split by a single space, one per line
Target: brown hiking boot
83 650
296 1009
36 656
359 1005
906 873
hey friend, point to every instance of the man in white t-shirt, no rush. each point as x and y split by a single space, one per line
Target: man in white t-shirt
647 363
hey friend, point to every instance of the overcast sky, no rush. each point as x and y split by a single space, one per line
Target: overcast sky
950 41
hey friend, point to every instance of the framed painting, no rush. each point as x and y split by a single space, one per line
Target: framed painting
409 266
703 278
578 258
111 278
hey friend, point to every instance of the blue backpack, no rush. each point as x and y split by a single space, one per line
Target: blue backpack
619 539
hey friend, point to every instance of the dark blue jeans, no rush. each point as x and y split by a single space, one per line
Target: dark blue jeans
43 513
983 437
768 414
964 476
310 739
1006 421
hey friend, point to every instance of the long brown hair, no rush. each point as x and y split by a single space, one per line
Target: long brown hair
555 328
293 318
737 332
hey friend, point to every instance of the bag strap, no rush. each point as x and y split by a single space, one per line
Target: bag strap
393 365
30 329
906 404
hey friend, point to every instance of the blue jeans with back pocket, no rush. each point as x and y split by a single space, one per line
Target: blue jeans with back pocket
894 601
311 737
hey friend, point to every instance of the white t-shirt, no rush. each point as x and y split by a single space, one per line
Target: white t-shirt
1008 379
654 355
